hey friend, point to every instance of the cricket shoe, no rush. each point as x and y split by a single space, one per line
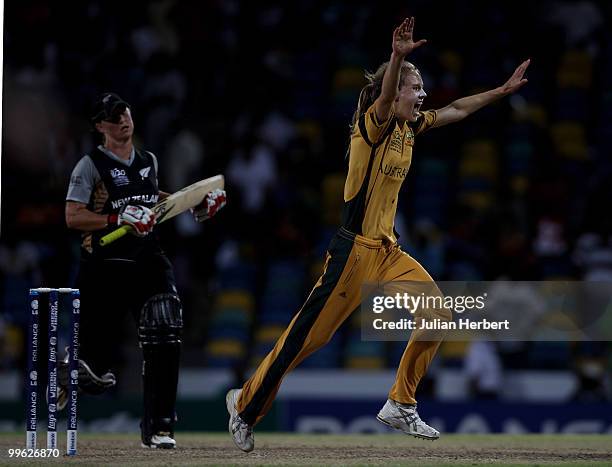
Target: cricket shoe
241 432
406 418
160 440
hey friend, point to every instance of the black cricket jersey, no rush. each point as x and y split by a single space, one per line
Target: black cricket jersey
121 185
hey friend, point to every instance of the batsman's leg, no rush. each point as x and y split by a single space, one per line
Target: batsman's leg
100 335
159 333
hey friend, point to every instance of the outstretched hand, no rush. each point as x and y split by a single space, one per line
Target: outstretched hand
403 42
516 81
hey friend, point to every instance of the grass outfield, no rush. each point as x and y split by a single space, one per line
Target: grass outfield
292 449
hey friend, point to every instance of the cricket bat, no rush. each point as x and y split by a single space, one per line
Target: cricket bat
175 204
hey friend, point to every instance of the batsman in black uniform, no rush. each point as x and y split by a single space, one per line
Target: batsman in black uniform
114 185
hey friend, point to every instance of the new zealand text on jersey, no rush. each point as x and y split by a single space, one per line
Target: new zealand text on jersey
146 199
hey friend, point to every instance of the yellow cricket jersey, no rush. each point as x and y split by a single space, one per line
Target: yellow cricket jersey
379 159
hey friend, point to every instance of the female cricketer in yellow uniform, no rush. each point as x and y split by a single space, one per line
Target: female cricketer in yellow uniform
365 249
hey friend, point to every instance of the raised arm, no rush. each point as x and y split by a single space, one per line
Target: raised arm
401 46
461 108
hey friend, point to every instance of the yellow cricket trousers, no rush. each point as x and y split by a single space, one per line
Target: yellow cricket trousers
351 260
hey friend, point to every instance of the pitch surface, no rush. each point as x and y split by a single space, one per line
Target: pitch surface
290 449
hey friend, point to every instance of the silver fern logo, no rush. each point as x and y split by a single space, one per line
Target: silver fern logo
144 173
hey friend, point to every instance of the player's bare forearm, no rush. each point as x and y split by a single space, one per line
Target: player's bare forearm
390 82
163 195
461 108
402 44
78 217
465 106
470 104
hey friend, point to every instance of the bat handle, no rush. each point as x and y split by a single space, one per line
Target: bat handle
114 235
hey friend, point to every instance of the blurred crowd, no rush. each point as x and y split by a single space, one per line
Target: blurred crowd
264 92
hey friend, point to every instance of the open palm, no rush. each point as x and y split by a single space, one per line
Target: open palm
516 81
403 42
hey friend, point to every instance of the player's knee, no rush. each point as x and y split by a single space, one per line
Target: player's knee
161 320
